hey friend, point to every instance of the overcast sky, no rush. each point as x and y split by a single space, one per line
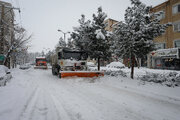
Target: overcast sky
43 18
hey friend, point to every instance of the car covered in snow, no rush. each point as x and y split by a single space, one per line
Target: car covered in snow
91 64
118 65
5 75
24 66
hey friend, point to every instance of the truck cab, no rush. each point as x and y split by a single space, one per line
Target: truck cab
69 60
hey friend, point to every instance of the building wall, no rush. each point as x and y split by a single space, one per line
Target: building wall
170 35
7 25
8 28
110 23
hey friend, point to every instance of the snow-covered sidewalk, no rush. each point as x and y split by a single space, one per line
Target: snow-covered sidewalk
38 95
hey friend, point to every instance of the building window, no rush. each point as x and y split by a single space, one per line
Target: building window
160 45
177 43
161 15
176 9
176 26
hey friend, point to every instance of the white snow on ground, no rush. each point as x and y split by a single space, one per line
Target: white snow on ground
38 95
115 65
142 71
3 70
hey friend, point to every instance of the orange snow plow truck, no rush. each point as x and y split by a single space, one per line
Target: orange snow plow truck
68 63
41 63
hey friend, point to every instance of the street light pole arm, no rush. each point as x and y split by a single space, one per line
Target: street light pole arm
64 34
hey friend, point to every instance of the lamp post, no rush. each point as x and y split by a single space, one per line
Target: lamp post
64 33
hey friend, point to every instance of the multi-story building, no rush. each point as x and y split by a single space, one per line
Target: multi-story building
110 22
170 13
6 28
168 43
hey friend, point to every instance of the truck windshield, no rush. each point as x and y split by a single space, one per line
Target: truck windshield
75 55
40 60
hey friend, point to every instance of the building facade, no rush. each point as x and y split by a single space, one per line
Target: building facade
6 29
109 24
169 42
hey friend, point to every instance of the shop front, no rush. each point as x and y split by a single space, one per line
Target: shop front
164 59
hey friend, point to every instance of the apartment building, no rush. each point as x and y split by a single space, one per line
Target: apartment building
168 44
170 13
6 29
110 22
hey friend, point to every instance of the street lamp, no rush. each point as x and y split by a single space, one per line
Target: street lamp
64 34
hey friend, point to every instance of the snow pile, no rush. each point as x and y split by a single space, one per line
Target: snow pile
5 75
115 65
3 70
116 73
170 79
91 64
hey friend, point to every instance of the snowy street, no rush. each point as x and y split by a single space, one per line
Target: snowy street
38 95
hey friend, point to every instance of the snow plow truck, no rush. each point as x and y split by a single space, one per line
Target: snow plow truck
68 63
41 63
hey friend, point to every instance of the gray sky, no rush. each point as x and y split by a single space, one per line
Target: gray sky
43 18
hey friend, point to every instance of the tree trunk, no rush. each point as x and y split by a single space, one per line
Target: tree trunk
98 63
132 66
6 58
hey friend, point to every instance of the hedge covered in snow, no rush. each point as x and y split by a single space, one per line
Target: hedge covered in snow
170 79
116 73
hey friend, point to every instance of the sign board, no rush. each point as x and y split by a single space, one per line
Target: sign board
172 52
2 57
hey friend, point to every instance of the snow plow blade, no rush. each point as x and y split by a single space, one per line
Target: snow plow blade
81 74
40 67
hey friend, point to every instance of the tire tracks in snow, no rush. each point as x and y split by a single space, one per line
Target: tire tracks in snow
29 106
108 106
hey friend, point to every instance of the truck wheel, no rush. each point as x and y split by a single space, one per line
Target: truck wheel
53 72
59 75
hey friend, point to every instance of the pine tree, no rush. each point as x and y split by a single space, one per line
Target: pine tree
82 34
61 43
134 37
99 46
92 36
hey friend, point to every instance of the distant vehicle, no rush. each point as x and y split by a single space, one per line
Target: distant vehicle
41 63
115 65
69 62
24 66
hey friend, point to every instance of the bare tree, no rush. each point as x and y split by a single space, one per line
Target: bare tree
18 43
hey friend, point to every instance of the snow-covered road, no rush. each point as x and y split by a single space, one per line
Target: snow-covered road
37 95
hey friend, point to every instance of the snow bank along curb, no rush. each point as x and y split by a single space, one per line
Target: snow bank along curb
5 75
171 79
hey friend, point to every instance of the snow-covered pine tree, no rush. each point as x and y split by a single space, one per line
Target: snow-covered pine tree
82 34
70 43
99 46
61 44
134 37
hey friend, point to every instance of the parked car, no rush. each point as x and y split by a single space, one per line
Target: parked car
118 65
91 64
5 75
